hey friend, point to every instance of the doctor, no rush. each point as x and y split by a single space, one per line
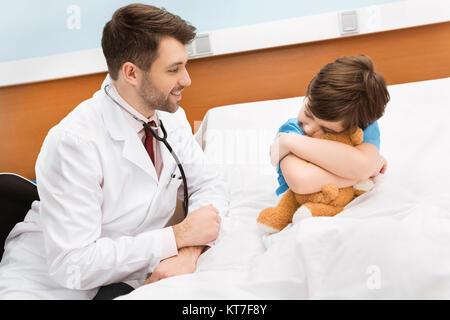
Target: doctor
107 187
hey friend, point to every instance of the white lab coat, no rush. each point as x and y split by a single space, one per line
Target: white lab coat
102 210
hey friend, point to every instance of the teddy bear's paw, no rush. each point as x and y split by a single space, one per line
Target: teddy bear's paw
302 213
266 229
364 185
330 192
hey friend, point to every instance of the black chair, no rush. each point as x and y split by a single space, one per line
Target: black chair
16 196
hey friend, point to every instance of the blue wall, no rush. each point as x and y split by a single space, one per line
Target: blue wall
35 28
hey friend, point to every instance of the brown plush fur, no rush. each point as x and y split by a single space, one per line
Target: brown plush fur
327 202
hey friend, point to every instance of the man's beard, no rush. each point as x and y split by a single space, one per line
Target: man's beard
153 98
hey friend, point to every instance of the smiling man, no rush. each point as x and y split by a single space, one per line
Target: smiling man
108 188
158 87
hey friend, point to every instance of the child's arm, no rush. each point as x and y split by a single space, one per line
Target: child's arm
304 177
353 163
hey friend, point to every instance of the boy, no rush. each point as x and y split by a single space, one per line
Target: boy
344 94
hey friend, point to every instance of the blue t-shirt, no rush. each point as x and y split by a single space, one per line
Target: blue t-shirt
371 135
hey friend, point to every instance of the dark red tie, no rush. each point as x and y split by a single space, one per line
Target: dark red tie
149 140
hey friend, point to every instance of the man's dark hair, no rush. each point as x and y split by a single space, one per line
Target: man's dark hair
134 32
348 90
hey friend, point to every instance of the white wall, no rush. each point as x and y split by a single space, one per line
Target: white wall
374 18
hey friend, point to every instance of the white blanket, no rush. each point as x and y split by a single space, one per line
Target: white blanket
391 243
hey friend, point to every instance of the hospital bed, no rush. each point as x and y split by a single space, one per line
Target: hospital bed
390 243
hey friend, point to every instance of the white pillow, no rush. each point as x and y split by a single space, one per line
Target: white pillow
236 139
415 135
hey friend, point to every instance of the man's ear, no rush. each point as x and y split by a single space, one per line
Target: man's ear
130 73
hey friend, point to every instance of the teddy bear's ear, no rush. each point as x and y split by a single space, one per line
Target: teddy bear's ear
357 136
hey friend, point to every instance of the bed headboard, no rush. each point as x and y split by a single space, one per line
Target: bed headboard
28 111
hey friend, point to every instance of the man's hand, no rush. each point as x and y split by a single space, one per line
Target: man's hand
279 148
199 228
183 263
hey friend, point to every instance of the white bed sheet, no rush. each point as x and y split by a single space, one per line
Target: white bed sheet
391 243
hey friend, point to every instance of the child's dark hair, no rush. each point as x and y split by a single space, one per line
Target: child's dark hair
348 90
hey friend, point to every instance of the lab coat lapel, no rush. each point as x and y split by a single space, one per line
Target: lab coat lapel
134 151
119 130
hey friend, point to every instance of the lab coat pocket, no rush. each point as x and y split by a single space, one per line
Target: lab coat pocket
175 179
174 182
172 190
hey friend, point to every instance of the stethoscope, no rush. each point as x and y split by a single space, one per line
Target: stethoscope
163 140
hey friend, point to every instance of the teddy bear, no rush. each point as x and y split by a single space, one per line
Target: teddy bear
331 200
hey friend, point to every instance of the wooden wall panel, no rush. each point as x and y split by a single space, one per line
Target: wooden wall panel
28 111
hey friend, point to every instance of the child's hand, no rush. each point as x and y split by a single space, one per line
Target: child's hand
381 168
384 166
279 148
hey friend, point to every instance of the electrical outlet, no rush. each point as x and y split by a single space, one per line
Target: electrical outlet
348 21
190 49
200 46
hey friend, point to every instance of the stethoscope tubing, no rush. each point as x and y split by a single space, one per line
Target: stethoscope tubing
163 139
